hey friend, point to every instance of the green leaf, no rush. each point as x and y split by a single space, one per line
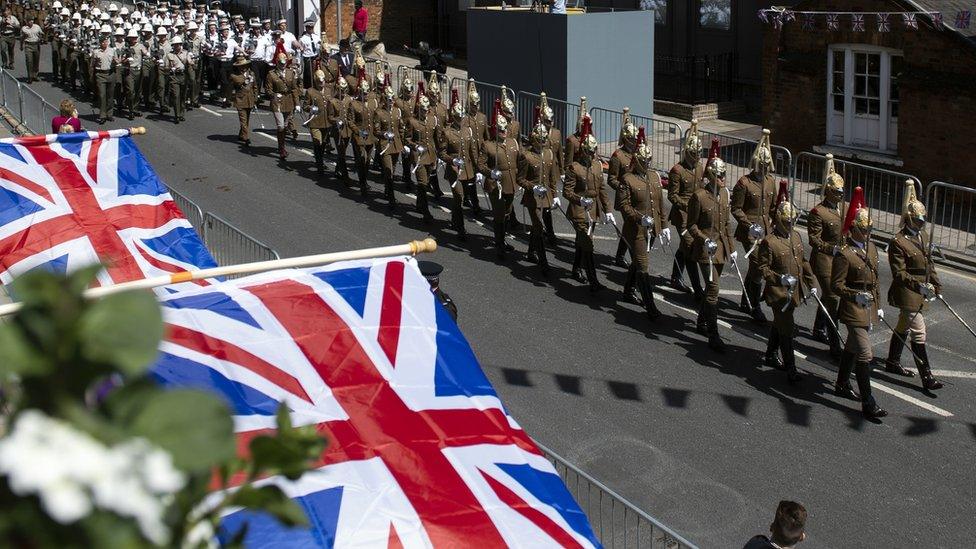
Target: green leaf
18 356
38 287
123 330
272 500
82 279
195 427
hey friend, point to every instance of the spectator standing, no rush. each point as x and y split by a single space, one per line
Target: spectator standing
67 120
558 6
360 21
787 528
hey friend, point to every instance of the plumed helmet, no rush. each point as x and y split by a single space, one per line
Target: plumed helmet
343 84
545 111
785 213
832 179
496 113
457 109
364 86
583 113
715 167
420 95
762 157
540 132
643 153
388 92
406 88
281 58
319 75
508 101
628 131
858 214
501 124
913 208
692 143
433 85
423 103
474 98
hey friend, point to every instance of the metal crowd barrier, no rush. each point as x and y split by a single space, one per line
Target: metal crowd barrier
488 93
664 137
884 189
564 113
416 75
11 94
192 212
230 246
36 113
951 217
737 151
615 521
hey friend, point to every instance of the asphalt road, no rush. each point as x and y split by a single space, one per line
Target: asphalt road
708 444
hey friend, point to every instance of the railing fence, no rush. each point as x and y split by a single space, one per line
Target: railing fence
564 113
951 217
192 212
737 151
230 246
487 92
663 136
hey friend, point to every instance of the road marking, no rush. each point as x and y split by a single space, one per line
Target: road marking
594 237
910 399
211 111
275 139
954 373
950 351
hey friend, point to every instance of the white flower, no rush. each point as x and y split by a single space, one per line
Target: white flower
65 501
159 474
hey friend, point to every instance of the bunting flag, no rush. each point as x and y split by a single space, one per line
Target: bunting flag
962 19
788 16
808 21
937 18
910 21
833 21
763 16
883 24
777 21
857 22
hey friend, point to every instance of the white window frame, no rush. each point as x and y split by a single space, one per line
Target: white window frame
884 77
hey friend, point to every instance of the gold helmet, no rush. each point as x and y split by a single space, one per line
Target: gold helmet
406 88
364 86
545 111
858 216
691 148
714 167
342 83
498 123
474 98
913 210
583 113
508 102
540 132
832 180
319 76
643 152
628 131
360 62
457 109
762 157
433 85
588 142
786 213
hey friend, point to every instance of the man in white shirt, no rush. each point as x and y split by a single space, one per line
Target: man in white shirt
261 56
291 43
311 43
225 53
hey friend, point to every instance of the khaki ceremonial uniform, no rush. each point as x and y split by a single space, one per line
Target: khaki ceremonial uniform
504 156
31 37
149 75
478 124
407 109
389 128
824 224
338 113
283 89
9 28
585 181
855 270
455 143
709 218
132 60
317 101
244 97
421 134
161 91
641 195
175 65
361 122
780 255
753 202
620 165
911 267
683 181
103 65
541 169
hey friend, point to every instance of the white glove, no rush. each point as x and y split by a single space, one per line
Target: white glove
298 108
562 178
479 178
277 96
814 292
864 299
539 191
927 290
556 202
647 221
421 149
666 235
734 256
406 149
880 314
610 219
457 162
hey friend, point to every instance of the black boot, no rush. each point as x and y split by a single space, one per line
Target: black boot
755 290
629 294
390 196
590 263
547 223
819 332
317 152
869 407
893 362
540 250
771 358
677 272
363 182
578 272
694 275
457 222
789 360
422 207
500 247
924 368
619 258
714 340
833 340
647 295
701 323
842 387
435 184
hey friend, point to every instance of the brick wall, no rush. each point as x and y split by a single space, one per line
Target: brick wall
937 100
389 20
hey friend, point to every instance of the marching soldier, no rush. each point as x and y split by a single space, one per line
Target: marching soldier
193 44
475 121
423 125
361 122
245 95
620 163
914 283
9 29
67 46
540 180
163 47
132 55
587 202
31 36
854 278
175 64
339 107
683 180
555 145
147 85
458 148
753 200
282 87
103 64
789 282
317 103
710 226
405 101
824 224
390 129
55 28
440 112
500 158
642 206
508 111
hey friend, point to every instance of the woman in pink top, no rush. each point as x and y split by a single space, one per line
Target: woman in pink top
67 121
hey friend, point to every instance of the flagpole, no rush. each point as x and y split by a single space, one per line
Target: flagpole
74 137
412 248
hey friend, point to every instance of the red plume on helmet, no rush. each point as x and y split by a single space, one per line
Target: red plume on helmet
784 192
420 92
455 99
387 81
279 49
497 110
857 202
712 153
587 129
536 112
641 138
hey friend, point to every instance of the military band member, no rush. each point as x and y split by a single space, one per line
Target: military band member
459 150
31 36
282 87
587 202
193 44
68 51
175 63
9 29
361 121
642 206
310 43
476 121
423 125
684 179
753 200
914 283
824 224
161 92
390 129
55 28
854 277
132 56
147 86
710 225
619 165
555 144
318 123
103 63
245 94
339 107
405 100
789 282
540 183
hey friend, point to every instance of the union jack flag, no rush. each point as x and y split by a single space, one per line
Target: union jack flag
857 22
808 21
71 200
883 24
832 21
962 19
421 451
910 21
